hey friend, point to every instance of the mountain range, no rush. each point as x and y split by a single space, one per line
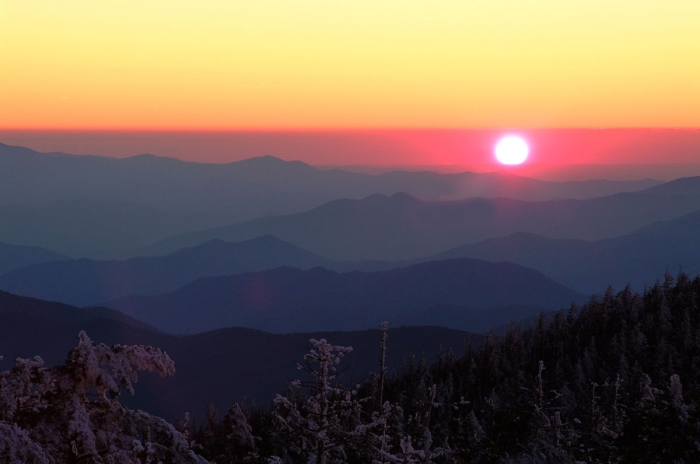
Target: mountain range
232 268
254 187
402 227
221 367
638 258
285 300
85 282
108 208
17 256
84 227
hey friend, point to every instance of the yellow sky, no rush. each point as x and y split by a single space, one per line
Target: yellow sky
233 64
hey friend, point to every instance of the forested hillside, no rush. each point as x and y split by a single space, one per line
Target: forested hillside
616 380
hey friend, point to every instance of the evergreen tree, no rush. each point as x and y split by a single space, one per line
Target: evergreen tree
71 413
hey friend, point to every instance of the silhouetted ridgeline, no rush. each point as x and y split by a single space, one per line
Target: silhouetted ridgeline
464 294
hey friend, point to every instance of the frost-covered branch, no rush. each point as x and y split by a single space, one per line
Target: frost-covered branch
72 412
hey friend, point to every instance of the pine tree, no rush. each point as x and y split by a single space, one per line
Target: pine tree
324 426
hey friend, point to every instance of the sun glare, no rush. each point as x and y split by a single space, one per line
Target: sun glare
511 150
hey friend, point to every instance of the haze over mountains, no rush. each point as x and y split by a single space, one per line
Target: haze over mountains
254 187
105 208
588 267
100 194
403 227
86 282
637 259
16 256
86 227
88 206
585 244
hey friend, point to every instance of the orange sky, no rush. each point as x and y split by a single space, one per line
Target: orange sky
271 64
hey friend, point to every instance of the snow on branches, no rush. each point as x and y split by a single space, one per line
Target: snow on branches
321 424
72 412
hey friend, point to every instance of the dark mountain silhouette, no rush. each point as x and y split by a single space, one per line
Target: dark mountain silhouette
637 258
222 366
86 282
56 316
16 256
91 228
251 188
287 300
403 227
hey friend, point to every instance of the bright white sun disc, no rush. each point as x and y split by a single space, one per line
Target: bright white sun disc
511 149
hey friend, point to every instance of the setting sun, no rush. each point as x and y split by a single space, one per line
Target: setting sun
511 150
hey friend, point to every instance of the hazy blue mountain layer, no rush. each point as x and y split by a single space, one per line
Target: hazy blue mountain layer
223 366
86 282
254 187
637 259
682 186
16 256
404 227
586 266
91 228
286 300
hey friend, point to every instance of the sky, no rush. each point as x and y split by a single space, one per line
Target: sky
271 66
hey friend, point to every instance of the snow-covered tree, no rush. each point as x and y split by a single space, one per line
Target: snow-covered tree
71 413
326 425
17 447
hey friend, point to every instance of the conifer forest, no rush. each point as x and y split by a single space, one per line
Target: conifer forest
616 379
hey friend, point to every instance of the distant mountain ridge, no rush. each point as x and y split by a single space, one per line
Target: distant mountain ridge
586 266
254 187
17 256
682 186
83 227
403 227
287 300
86 282
107 208
638 258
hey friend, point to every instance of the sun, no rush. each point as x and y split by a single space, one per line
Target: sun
511 150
